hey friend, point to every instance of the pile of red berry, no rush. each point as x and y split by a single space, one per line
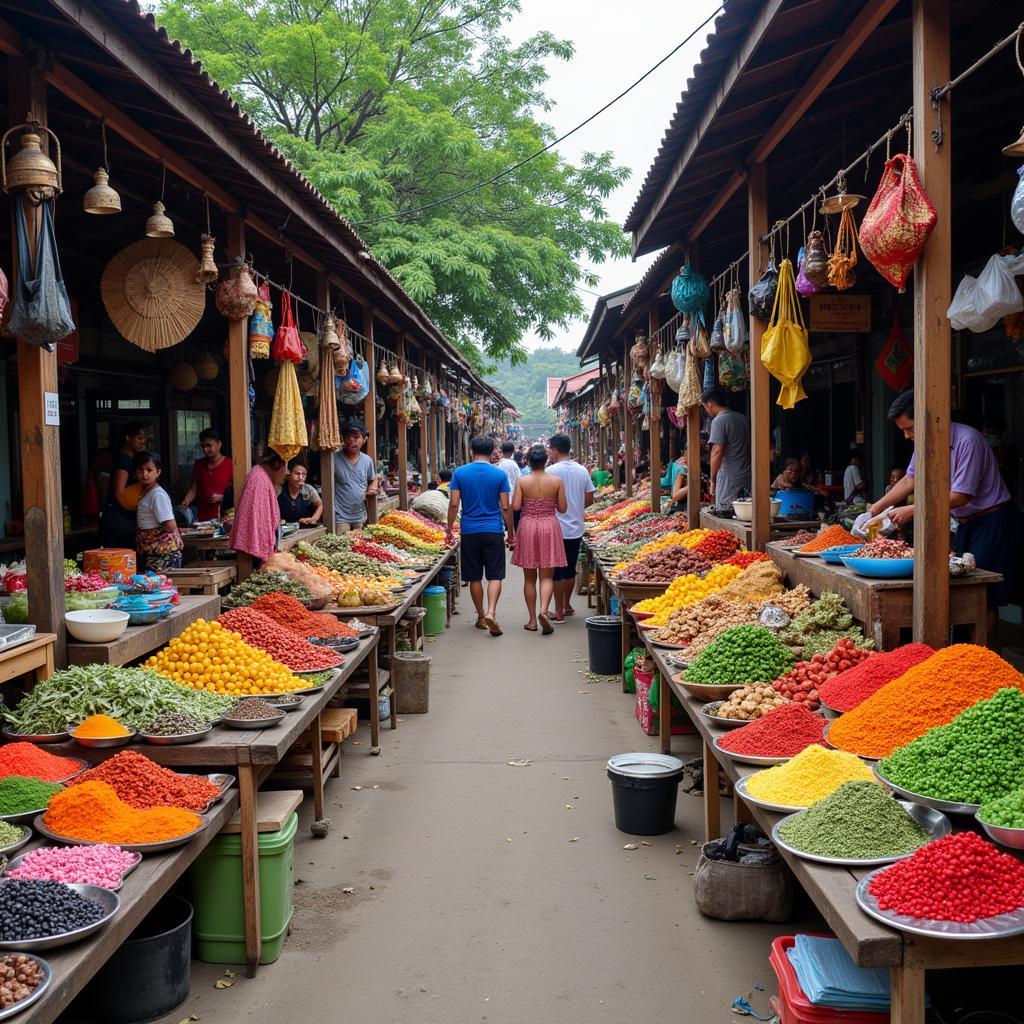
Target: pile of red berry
958 878
718 545
370 550
85 583
802 682
281 644
745 558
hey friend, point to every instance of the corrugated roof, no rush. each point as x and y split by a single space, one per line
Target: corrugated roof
601 329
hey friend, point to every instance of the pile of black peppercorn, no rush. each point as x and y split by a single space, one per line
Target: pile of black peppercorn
37 910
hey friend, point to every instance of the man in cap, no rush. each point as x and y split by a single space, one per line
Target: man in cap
355 477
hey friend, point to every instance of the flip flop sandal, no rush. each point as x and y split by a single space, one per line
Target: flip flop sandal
480 624
529 629
545 625
493 626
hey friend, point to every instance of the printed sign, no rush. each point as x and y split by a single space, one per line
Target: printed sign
51 409
841 314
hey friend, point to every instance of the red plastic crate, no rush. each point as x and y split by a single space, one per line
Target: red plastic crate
795 1008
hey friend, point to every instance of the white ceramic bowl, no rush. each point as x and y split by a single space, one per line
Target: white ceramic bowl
96 625
745 509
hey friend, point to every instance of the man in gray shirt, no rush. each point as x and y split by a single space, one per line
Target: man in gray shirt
355 477
730 448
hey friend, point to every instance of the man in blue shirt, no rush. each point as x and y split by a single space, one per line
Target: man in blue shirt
482 491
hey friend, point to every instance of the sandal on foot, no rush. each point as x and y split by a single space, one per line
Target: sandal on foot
545 625
491 624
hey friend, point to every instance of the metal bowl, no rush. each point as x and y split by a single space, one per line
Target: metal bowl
18 861
1001 834
22 817
223 782
708 691
754 759
741 791
37 992
286 705
39 737
170 741
708 711
165 844
26 837
109 901
316 603
253 723
946 806
103 742
863 757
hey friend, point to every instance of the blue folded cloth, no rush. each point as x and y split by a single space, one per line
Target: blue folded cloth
829 977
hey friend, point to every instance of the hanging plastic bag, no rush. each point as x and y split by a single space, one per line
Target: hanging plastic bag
737 340
784 350
40 312
898 222
980 303
658 366
710 373
841 273
1017 203
288 346
354 386
675 367
635 399
690 290
732 371
762 294
717 339
803 286
287 435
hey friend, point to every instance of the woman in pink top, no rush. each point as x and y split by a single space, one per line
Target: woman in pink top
254 529
539 546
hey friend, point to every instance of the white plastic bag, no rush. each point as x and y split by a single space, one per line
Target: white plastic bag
735 326
980 303
675 367
1017 203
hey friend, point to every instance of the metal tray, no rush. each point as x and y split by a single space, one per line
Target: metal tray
708 711
170 741
124 874
946 806
863 757
741 790
935 823
676 662
103 742
989 928
278 702
223 781
39 737
666 646
26 837
760 762
37 993
12 634
22 818
253 723
143 848
108 900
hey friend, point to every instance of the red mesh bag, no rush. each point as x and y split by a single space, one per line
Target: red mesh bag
898 222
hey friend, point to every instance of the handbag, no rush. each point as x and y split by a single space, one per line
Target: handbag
762 294
803 286
689 393
288 346
717 340
815 265
841 264
898 222
732 371
237 294
784 350
690 290
40 313
700 343
737 340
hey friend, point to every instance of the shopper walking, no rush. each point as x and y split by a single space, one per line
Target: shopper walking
540 549
482 492
579 495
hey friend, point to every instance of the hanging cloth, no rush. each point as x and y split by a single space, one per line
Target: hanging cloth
287 435
784 350
895 364
841 273
328 435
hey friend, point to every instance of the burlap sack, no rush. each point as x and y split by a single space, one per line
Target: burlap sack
736 891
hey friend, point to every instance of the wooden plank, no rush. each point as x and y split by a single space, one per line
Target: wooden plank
733 184
403 438
760 415
370 406
273 809
932 360
627 416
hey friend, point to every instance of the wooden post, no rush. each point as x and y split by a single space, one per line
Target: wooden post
403 436
627 416
238 389
932 338
370 406
616 432
693 476
653 323
39 437
424 433
760 418
323 300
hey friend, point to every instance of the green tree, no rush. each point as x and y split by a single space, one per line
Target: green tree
389 106
526 386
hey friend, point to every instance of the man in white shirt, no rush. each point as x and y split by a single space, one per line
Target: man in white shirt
579 495
854 487
512 471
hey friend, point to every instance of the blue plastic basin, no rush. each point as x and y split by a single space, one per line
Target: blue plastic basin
834 556
881 568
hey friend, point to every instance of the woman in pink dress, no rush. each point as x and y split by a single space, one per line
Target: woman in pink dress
539 548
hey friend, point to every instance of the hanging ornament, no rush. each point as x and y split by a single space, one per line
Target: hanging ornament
206 367
383 375
842 200
30 170
183 377
237 294
101 198
159 224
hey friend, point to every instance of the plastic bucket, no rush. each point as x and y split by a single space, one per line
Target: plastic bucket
604 644
435 600
644 791
614 602
151 973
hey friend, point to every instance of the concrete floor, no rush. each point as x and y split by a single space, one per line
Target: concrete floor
487 892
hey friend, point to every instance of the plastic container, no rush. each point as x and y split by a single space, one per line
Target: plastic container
791 502
216 880
157 958
108 561
613 601
604 644
644 791
435 600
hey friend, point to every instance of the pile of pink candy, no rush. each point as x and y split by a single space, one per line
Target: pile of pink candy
77 865
885 548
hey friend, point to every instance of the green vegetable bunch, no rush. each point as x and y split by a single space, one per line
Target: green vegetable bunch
741 655
348 563
260 583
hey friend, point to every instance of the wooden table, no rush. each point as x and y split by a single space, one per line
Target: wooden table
884 607
202 580
222 544
254 754
745 531
35 656
869 943
138 641
74 966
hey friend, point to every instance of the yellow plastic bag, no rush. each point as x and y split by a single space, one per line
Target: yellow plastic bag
287 434
784 350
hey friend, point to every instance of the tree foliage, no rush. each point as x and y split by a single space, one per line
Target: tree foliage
526 386
389 106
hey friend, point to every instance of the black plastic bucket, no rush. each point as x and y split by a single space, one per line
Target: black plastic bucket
604 644
644 791
150 975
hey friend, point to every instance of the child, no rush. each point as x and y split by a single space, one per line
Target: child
855 487
156 532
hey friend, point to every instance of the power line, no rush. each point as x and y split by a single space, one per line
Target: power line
533 156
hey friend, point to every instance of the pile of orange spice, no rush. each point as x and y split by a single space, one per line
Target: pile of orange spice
931 693
829 538
93 812
100 727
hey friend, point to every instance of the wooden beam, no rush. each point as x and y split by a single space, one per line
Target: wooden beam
932 335
370 407
653 323
735 181
403 435
323 300
693 474
627 417
424 434
39 438
760 414
758 30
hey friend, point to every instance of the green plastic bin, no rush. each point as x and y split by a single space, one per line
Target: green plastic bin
435 600
216 881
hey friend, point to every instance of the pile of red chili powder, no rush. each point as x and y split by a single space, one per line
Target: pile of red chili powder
142 784
29 760
783 732
845 691
959 878
278 641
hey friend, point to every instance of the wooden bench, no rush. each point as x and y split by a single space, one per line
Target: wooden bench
35 656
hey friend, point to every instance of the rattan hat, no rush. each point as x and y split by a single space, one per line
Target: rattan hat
151 295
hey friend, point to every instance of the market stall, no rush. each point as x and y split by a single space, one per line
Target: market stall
780 528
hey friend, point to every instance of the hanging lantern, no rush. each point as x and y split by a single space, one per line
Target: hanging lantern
30 169
207 272
159 224
206 367
329 338
101 198
183 377
383 375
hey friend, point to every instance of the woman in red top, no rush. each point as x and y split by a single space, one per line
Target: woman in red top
211 477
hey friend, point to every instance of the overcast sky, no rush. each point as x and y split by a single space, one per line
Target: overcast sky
616 43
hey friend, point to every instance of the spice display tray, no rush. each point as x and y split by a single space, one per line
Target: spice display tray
222 780
278 702
665 646
1012 838
741 791
863 757
835 712
708 691
805 554
176 740
124 874
946 806
26 837
143 848
254 723
935 823
103 742
23 1004
708 711
754 759
108 900
39 737
989 928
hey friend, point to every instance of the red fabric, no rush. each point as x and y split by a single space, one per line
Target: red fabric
287 343
254 530
895 364
539 537
210 481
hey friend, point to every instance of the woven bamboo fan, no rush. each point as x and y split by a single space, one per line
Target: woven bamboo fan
151 295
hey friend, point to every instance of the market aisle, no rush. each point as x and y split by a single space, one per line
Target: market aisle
470 903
